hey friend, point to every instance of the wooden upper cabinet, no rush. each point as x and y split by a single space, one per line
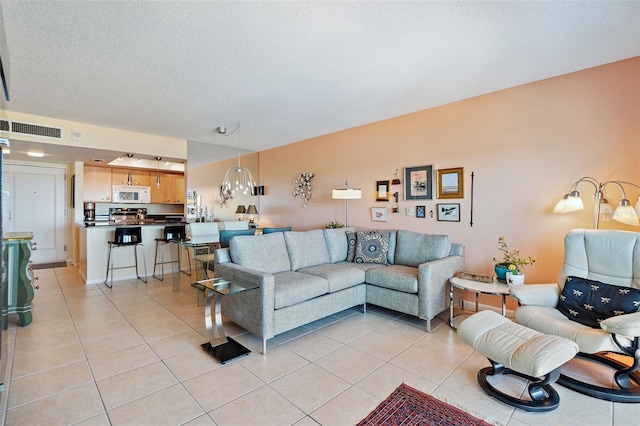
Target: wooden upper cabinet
171 191
138 177
97 184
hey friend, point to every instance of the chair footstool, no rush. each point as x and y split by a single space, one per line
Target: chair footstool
513 349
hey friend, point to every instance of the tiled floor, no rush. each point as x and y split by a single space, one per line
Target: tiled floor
131 356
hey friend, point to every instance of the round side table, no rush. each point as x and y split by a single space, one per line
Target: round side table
495 288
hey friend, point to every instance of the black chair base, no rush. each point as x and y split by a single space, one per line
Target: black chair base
627 378
543 396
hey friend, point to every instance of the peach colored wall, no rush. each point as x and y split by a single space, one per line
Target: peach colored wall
525 145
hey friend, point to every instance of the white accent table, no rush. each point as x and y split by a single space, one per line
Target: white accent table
495 288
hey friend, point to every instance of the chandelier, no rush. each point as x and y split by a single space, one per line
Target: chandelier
238 180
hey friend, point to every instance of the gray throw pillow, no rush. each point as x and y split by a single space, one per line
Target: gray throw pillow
372 247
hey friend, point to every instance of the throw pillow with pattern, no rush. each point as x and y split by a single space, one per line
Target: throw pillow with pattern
588 302
372 247
351 248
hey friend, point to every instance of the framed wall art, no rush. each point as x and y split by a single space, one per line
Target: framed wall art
448 212
418 183
450 183
420 211
379 214
382 190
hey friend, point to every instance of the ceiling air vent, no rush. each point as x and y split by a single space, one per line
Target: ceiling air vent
36 130
4 125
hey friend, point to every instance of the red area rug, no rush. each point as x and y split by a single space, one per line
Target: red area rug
407 406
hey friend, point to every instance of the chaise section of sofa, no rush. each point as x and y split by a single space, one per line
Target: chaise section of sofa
306 276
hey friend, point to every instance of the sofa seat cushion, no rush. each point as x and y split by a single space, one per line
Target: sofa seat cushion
306 248
293 287
264 253
339 275
414 248
395 277
366 266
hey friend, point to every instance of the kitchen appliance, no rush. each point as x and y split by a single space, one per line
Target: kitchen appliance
131 194
128 216
89 211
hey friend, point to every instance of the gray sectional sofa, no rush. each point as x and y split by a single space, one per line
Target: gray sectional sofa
306 276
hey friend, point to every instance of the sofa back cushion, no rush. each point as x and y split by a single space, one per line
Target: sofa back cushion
414 248
264 253
306 248
336 240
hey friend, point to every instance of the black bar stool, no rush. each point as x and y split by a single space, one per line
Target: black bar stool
171 232
130 236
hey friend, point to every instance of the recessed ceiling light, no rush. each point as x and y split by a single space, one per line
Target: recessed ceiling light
97 160
35 154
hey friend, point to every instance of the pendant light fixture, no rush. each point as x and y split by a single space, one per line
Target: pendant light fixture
237 180
129 180
158 172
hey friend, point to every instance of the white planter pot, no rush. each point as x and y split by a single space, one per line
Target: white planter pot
514 280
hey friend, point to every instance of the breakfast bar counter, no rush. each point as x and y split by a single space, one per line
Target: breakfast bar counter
94 250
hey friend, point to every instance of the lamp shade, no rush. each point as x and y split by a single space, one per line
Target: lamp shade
241 209
626 214
606 211
573 203
252 209
346 194
560 206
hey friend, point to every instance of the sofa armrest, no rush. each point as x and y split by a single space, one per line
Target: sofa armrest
433 284
626 325
253 310
536 294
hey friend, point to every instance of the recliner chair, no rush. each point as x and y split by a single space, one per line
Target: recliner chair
596 303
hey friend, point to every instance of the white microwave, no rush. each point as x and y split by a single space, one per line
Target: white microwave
131 194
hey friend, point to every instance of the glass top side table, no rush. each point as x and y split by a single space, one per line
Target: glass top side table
219 345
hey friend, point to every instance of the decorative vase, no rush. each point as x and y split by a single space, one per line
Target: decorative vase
514 280
501 270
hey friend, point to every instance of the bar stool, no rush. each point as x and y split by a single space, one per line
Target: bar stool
171 232
126 237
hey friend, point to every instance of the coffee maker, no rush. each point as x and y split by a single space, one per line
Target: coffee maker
89 211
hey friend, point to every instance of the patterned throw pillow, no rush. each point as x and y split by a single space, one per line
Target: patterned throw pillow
372 247
588 302
351 248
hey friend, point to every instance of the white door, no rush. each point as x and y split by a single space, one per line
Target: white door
33 199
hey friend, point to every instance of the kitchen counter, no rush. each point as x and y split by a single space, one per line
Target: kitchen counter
94 250
141 222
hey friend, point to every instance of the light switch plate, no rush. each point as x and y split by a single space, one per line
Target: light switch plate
410 211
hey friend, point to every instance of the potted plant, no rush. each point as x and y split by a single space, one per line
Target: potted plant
510 267
334 224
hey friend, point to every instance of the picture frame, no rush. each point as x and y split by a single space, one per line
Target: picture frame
449 212
418 183
382 190
421 211
379 214
450 183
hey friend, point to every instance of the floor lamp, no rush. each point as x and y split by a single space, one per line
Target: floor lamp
346 194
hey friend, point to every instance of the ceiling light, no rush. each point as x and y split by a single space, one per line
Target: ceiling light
35 154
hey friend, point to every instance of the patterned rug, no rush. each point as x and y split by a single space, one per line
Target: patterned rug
407 406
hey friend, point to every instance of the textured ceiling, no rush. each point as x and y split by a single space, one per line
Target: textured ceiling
288 71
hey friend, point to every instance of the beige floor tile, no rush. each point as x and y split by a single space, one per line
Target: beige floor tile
218 387
99 420
190 364
277 363
171 406
387 378
63 408
343 331
349 363
45 360
348 408
490 410
49 341
312 346
263 406
295 387
203 420
177 344
162 329
112 343
127 387
369 320
381 346
118 362
306 421
41 385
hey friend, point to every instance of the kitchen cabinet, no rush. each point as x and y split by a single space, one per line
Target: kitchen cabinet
97 184
17 282
171 191
138 177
